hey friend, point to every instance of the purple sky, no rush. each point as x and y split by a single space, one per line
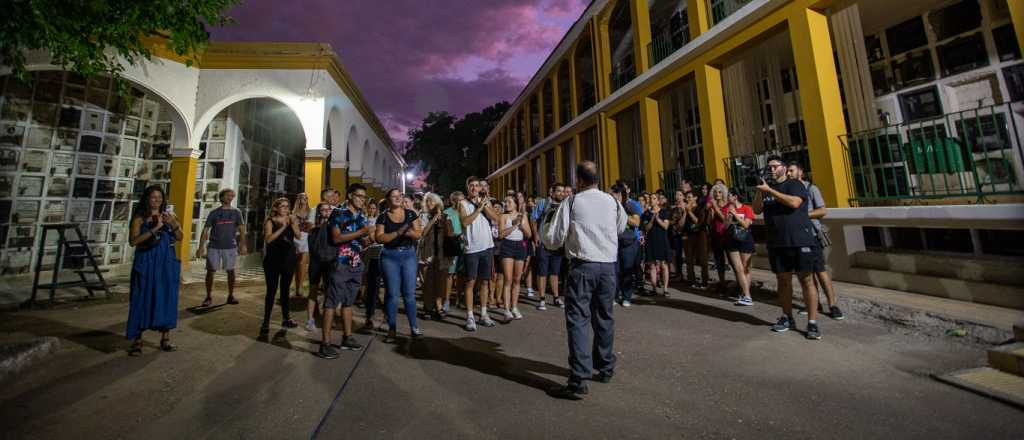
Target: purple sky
410 57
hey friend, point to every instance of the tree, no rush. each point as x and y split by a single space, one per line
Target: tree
89 36
450 149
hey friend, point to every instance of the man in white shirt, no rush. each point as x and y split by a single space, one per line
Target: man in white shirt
478 258
587 225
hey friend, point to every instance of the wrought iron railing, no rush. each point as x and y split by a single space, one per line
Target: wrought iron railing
666 43
720 9
621 75
971 153
671 180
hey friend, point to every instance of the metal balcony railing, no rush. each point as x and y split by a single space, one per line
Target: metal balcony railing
720 9
971 153
666 43
671 180
621 76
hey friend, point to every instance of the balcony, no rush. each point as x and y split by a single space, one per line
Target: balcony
720 9
967 156
670 39
622 74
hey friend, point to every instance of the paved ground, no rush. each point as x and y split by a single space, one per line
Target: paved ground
690 366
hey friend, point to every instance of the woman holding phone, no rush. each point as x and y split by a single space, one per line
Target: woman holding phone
514 233
156 271
398 230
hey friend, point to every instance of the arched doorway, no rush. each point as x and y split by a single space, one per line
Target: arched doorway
256 147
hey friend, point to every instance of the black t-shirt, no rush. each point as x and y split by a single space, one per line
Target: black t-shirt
389 227
788 227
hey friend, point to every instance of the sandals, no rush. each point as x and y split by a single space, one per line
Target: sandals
207 302
165 345
232 300
136 349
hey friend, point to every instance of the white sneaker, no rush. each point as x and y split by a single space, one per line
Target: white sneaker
470 325
508 314
626 303
311 325
487 321
744 301
530 292
444 307
541 306
560 302
516 314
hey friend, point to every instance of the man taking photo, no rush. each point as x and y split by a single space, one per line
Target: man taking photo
791 243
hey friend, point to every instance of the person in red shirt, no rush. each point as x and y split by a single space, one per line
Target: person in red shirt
740 244
717 212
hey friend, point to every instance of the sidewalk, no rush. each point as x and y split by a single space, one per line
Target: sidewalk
929 315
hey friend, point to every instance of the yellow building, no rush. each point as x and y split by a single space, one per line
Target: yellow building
914 102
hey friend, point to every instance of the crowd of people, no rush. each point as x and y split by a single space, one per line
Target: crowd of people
579 249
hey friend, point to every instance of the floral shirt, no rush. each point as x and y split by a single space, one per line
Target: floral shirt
347 221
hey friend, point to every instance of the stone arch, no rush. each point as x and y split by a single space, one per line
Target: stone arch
204 120
353 152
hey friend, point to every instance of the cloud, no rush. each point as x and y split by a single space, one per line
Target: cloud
410 57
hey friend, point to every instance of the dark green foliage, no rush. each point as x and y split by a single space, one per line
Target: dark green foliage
452 149
89 36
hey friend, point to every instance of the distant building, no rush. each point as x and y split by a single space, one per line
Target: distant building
917 104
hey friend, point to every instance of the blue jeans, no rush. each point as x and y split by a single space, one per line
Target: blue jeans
399 266
588 320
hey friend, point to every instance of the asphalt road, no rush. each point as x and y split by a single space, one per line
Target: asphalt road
690 366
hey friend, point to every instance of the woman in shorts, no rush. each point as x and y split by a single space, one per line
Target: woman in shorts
740 251
514 233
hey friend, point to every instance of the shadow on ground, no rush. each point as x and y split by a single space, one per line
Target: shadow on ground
484 357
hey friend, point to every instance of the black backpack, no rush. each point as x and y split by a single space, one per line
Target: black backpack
321 246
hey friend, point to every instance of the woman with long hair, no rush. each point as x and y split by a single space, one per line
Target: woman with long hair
740 244
301 212
676 236
398 230
317 274
371 288
718 217
514 231
431 253
279 259
156 271
658 252
526 205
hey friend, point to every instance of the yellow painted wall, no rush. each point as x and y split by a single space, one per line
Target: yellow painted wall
314 182
181 194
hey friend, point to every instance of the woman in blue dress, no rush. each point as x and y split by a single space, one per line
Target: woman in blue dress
156 271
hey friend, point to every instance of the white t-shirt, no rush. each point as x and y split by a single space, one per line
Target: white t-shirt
477 234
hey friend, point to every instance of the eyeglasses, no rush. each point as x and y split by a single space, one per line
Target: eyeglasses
358 196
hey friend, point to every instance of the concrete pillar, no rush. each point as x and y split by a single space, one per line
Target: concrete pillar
1017 17
181 194
602 57
573 87
556 104
650 135
697 15
641 18
339 177
608 149
712 122
559 164
316 162
820 103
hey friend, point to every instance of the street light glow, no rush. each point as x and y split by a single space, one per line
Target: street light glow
409 176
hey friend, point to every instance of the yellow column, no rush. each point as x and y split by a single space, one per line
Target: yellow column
712 122
608 149
556 106
540 112
313 174
573 92
650 135
527 124
339 175
641 34
602 57
697 15
820 103
1017 16
181 194
559 163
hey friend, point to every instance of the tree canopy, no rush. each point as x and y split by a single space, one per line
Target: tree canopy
450 149
89 36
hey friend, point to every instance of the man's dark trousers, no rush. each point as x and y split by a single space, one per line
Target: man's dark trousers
588 305
628 270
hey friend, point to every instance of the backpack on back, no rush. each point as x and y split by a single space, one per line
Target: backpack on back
321 246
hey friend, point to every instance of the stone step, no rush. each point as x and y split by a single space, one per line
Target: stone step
1008 358
989 382
968 267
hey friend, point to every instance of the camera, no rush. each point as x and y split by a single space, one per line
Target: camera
754 176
